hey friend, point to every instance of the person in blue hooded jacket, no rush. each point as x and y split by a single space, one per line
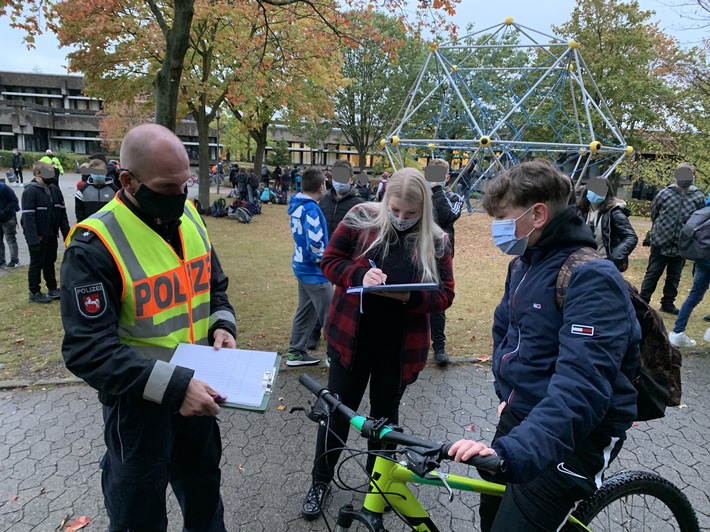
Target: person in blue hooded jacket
562 375
310 236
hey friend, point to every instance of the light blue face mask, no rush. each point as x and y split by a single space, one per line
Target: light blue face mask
594 198
98 179
503 232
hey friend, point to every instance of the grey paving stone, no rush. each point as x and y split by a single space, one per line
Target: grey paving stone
51 443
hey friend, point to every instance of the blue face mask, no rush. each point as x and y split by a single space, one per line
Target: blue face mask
503 232
595 199
98 179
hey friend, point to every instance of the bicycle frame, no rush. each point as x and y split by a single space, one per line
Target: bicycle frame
391 479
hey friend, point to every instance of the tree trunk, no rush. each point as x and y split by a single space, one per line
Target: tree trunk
167 80
259 136
203 140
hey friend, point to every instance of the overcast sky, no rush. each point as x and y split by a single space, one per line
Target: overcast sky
48 58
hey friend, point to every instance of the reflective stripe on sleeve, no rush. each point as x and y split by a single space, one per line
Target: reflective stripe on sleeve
158 382
222 315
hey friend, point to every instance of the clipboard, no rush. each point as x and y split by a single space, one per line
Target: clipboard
246 377
408 287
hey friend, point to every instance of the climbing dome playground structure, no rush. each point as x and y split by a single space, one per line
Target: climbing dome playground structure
504 95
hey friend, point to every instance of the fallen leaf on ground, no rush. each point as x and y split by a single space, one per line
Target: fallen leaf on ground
64 522
282 407
281 398
471 427
483 358
19 340
683 406
14 498
81 522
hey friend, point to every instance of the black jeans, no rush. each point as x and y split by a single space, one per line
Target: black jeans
42 259
384 374
437 323
18 175
656 264
148 447
544 503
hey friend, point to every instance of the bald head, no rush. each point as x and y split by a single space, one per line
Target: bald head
156 156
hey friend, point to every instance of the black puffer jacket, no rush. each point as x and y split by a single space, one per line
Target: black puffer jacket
335 207
618 235
43 214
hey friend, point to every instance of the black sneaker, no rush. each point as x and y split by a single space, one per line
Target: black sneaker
12 264
315 500
670 309
54 294
298 359
441 358
707 318
39 297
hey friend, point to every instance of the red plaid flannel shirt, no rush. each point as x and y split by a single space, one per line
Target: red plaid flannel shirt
342 266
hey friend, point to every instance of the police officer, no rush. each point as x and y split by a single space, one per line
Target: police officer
138 278
50 159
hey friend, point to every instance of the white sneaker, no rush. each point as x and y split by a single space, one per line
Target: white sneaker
681 339
707 335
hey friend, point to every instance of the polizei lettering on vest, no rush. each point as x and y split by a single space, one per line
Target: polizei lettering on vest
169 289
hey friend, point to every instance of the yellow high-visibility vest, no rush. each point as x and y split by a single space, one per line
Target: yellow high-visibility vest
165 299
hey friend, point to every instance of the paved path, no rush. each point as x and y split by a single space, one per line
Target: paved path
51 443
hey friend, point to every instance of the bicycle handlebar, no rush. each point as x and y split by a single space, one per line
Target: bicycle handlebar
386 434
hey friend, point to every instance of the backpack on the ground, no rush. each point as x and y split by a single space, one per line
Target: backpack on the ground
254 207
219 208
694 240
240 214
657 380
198 206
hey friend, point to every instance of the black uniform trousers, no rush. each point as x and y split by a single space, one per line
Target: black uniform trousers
437 324
656 264
42 259
149 447
544 504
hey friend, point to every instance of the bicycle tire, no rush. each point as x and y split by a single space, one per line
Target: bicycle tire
669 508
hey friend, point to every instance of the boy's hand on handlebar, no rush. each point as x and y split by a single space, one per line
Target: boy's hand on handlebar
463 450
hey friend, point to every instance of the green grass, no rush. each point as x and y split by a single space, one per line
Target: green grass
257 259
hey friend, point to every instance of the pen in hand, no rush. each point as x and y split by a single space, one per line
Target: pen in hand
373 265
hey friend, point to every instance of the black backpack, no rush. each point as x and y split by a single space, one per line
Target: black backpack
219 208
694 240
198 206
240 214
657 380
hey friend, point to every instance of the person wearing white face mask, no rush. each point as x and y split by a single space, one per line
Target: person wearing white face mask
381 339
608 218
562 374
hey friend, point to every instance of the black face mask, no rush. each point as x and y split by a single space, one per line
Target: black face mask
166 207
49 181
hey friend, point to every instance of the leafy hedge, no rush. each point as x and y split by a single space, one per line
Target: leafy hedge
639 207
68 160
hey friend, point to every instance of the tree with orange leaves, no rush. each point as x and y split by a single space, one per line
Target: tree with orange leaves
171 22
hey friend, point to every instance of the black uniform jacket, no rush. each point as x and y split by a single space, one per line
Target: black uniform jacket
91 346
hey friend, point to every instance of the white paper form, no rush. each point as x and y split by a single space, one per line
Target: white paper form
237 373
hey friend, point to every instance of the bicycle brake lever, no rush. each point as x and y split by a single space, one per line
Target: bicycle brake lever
442 476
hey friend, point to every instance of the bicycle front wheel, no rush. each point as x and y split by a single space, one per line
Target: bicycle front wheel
638 500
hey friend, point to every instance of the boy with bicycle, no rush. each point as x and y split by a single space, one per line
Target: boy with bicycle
562 375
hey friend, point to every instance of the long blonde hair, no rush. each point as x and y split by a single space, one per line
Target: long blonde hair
426 238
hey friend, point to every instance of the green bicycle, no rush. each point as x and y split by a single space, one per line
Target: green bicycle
629 500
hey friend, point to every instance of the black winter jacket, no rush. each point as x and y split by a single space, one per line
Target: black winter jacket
565 372
9 205
447 209
44 214
18 161
335 207
618 235
91 347
91 197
